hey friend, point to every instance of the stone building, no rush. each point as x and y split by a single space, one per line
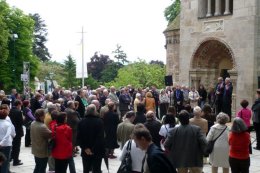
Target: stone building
212 38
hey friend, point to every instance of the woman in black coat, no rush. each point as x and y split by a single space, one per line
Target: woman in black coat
111 120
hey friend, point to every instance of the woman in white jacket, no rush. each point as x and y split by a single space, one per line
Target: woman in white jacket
220 154
137 156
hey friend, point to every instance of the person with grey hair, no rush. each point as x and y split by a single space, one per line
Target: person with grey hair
219 156
227 98
137 101
91 140
199 121
97 104
154 127
239 142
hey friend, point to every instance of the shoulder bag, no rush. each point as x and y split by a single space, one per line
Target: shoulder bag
126 164
211 143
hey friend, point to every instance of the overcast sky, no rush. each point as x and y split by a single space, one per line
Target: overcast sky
137 25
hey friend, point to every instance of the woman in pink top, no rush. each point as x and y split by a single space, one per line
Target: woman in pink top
245 113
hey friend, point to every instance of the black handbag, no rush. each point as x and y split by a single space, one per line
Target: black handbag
211 144
126 164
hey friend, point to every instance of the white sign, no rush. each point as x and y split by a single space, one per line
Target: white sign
24 77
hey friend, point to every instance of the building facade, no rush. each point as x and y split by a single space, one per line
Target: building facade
212 38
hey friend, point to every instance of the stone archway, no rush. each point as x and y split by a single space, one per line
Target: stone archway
211 59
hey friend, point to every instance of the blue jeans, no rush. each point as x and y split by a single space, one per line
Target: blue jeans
7 152
40 165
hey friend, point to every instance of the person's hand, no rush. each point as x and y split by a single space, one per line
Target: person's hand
88 152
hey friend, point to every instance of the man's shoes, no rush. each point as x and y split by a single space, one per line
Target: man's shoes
256 148
17 163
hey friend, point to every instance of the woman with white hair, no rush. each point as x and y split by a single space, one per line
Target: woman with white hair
239 141
137 101
164 102
219 156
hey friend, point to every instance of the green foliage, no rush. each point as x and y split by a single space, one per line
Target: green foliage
110 72
172 11
40 38
3 32
120 55
140 74
14 21
92 82
70 73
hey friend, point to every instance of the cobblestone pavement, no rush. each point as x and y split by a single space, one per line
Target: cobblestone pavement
28 162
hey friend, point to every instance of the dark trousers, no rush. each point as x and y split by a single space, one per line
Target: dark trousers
40 165
72 165
163 109
239 165
92 163
61 165
16 149
5 166
257 132
27 137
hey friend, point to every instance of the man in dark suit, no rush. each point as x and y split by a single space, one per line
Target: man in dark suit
178 98
155 160
81 108
16 117
90 138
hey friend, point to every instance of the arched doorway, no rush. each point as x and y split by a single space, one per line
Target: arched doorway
213 58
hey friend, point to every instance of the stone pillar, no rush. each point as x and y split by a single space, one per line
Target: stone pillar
233 76
227 8
217 8
209 13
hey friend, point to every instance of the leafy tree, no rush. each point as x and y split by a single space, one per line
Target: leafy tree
97 64
54 67
70 72
110 72
40 38
160 63
91 82
20 49
140 74
120 55
3 32
172 11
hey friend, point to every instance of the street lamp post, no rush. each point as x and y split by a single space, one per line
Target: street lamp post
14 37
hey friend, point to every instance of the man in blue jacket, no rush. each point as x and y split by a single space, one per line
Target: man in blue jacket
155 160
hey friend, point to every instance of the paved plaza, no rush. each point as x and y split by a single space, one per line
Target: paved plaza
28 162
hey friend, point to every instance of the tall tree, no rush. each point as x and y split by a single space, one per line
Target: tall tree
140 74
40 38
20 48
3 32
97 64
172 11
120 55
110 72
70 70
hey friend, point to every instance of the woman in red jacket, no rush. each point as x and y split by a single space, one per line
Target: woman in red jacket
62 151
239 140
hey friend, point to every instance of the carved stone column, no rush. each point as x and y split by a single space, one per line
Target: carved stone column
209 13
227 7
217 8
233 76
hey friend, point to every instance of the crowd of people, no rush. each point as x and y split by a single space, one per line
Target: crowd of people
168 129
